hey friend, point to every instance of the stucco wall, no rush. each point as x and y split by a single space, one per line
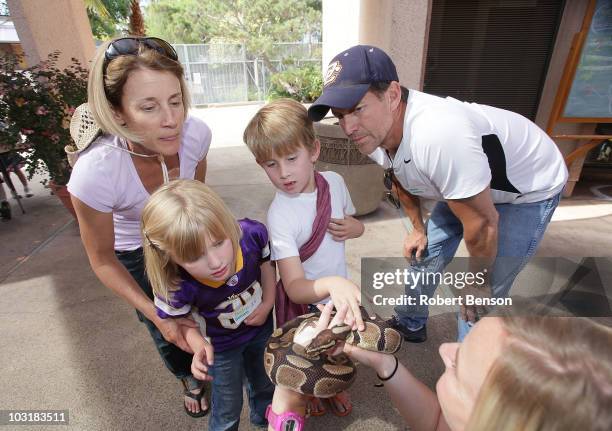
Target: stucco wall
46 26
399 27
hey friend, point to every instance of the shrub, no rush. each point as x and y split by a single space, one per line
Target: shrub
303 84
35 106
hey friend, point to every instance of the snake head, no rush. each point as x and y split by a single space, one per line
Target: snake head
328 339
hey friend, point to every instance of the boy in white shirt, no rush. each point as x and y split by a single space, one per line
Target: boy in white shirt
309 218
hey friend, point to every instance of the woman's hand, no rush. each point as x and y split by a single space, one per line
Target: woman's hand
173 330
346 228
382 363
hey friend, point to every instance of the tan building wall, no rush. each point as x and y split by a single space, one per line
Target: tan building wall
401 28
50 25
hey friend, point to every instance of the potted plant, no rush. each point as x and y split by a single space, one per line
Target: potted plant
36 104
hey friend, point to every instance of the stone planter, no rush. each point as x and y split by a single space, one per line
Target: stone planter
363 177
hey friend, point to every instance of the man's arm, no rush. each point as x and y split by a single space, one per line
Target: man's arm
480 226
416 241
479 219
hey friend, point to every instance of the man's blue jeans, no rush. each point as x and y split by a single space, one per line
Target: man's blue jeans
176 360
520 230
230 369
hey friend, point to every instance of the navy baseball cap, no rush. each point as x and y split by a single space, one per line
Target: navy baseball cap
349 76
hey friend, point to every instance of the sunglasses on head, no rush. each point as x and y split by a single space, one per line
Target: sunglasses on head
388 182
131 46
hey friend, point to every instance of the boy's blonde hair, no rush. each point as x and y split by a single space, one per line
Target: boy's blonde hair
281 127
104 91
553 373
175 223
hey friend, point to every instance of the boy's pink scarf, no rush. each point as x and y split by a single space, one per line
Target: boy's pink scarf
285 308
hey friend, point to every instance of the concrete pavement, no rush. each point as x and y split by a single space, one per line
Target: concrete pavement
69 344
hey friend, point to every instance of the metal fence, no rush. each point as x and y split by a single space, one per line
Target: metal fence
224 73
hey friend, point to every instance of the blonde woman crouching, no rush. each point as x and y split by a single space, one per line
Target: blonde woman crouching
132 136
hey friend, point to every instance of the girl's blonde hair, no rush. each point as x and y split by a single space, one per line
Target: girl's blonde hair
554 373
104 90
175 223
280 127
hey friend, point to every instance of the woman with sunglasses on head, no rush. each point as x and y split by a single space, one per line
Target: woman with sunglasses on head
134 135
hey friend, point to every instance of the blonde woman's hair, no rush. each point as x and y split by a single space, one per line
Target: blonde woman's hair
175 223
554 373
281 127
104 90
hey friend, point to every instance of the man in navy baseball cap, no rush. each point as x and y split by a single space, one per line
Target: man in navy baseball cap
496 175
349 76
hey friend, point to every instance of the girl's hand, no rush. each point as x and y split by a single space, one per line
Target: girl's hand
259 316
202 359
346 228
344 293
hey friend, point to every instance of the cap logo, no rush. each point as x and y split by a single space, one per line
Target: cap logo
333 70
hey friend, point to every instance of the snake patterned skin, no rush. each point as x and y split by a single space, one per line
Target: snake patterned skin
310 371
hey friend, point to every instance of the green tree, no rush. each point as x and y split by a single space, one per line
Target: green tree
108 18
177 21
257 24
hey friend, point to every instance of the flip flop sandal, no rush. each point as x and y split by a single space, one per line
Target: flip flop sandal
334 409
190 384
320 411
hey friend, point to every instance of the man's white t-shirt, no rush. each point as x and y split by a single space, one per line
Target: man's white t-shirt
290 219
105 179
454 150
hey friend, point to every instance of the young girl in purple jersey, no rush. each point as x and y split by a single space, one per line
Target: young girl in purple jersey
202 261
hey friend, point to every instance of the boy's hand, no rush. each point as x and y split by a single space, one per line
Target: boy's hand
202 359
346 296
346 228
259 315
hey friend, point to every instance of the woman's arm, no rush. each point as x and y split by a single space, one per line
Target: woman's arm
97 234
417 404
200 172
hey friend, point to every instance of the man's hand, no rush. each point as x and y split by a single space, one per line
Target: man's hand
259 315
172 331
415 243
473 313
346 228
202 359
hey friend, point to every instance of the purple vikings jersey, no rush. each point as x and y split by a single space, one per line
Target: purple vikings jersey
225 307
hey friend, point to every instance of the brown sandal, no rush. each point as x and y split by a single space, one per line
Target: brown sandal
190 384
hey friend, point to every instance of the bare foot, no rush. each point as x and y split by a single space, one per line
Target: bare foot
315 407
341 404
193 406
196 404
